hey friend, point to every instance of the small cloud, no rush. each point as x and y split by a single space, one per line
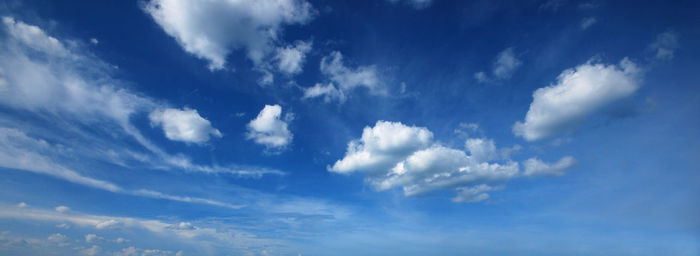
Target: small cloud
57 238
22 205
92 238
92 251
665 45
62 209
503 68
184 125
587 22
63 226
109 224
268 129
94 41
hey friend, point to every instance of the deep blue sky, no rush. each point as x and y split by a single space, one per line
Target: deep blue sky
397 127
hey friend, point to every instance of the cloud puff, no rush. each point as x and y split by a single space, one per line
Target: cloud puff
109 224
665 45
212 29
396 155
62 208
183 125
57 238
290 59
503 68
343 79
269 129
578 93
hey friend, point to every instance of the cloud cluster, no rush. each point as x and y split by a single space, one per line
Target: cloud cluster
343 79
578 93
503 68
396 155
183 125
269 129
211 30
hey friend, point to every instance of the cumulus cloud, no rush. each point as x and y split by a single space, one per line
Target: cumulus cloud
503 68
578 93
290 59
344 79
269 129
183 125
211 30
396 155
665 45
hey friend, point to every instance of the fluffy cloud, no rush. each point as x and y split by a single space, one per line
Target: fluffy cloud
396 155
290 59
665 45
211 30
578 93
343 79
503 68
183 125
269 129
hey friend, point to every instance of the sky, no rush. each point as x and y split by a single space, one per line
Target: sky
359 127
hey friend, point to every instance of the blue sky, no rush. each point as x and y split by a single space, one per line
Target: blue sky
379 127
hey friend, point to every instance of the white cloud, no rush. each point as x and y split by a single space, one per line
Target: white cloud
57 238
78 88
578 93
183 125
503 68
473 194
34 37
535 167
92 238
211 30
395 155
417 4
382 146
290 59
344 79
109 224
587 22
269 129
22 205
328 92
62 208
665 45
92 251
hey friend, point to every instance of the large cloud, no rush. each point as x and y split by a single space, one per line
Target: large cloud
578 93
212 29
396 155
184 125
269 129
